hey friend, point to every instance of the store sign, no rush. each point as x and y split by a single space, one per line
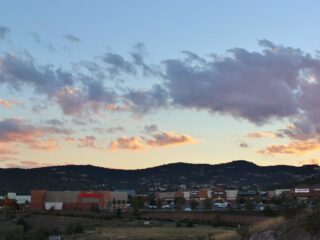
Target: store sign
301 190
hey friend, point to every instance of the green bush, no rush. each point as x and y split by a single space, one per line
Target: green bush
178 224
118 213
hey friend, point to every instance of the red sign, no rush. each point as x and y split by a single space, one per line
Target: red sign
90 195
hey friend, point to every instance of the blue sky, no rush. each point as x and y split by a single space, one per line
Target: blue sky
255 102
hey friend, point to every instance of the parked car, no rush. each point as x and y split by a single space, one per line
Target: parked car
167 206
187 209
151 206
220 204
259 206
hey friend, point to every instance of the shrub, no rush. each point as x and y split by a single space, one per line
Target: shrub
69 229
268 212
312 222
217 221
42 234
118 213
189 224
16 233
78 229
244 232
24 224
178 224
95 209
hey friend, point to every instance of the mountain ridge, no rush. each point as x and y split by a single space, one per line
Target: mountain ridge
235 174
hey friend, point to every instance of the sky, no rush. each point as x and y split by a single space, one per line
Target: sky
136 84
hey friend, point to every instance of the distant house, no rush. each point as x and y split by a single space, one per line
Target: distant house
130 192
54 237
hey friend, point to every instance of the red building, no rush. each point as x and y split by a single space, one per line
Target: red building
77 200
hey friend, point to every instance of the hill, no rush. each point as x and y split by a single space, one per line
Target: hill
232 175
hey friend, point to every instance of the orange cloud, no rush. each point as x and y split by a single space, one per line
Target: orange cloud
8 103
168 139
44 144
13 131
295 148
5 150
29 163
88 141
126 143
262 135
313 161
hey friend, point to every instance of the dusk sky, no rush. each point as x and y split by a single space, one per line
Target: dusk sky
135 84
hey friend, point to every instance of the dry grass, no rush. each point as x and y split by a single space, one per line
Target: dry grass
232 235
268 224
158 233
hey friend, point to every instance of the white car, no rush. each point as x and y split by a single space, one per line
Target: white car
167 206
187 209
220 204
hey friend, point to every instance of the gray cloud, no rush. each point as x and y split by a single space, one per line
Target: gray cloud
109 130
4 31
243 145
151 128
73 92
145 101
251 85
35 36
13 128
71 38
260 86
117 64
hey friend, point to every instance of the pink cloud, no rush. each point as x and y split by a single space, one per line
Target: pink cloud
294 148
126 143
267 134
169 138
88 141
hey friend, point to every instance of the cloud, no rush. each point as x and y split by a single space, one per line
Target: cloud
55 122
313 161
4 31
20 71
88 141
8 103
251 85
35 36
71 38
74 93
13 131
169 139
275 83
293 148
145 101
44 144
29 163
6 151
267 134
151 128
126 143
243 145
109 130
116 64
